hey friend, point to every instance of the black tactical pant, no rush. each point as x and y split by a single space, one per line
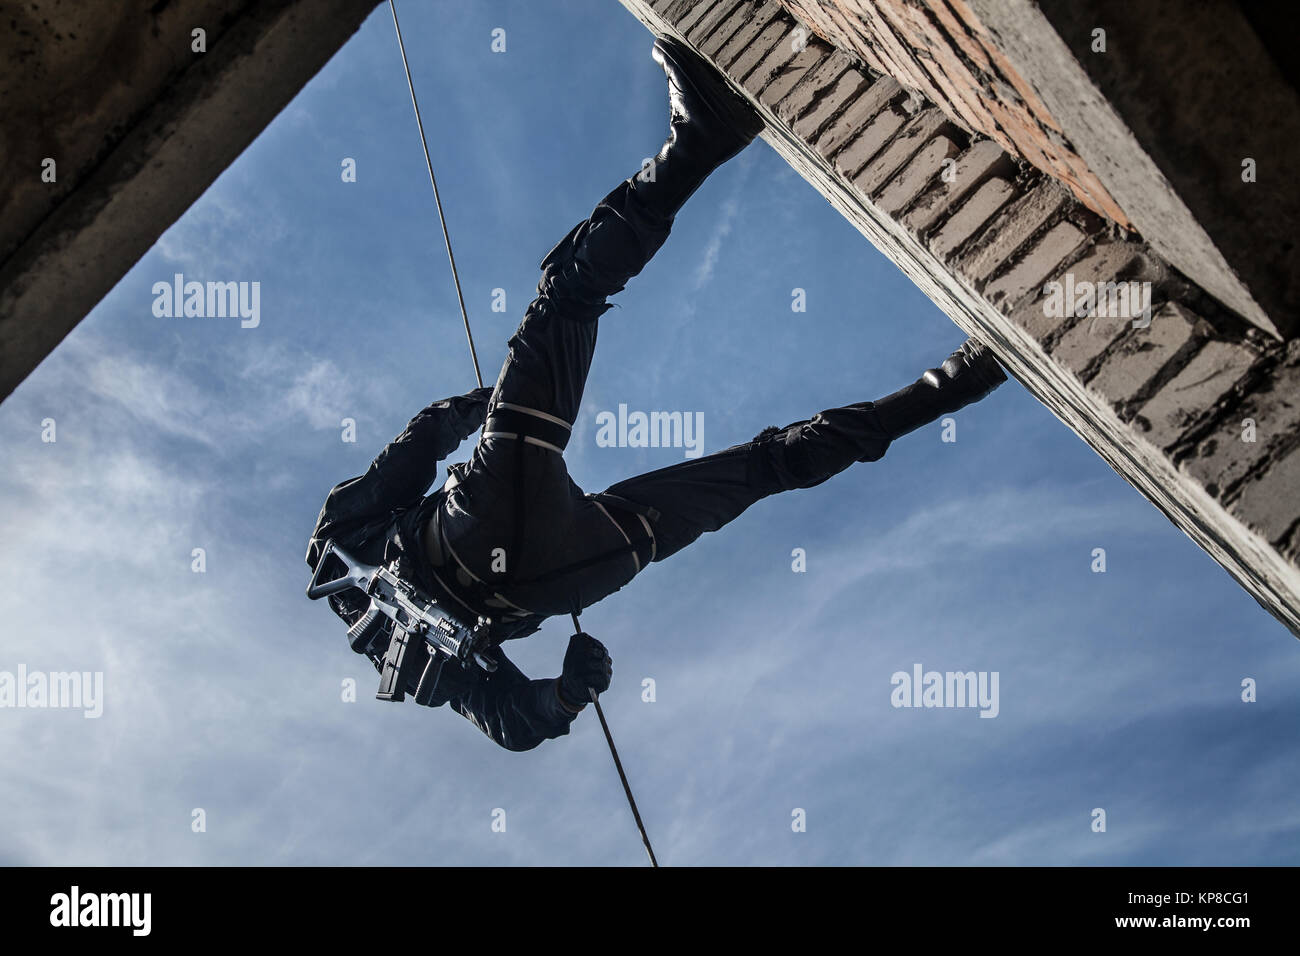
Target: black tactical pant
516 515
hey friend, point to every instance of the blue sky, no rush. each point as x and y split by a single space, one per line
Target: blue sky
1119 690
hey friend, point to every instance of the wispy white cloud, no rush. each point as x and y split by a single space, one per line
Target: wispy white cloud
255 386
709 258
218 237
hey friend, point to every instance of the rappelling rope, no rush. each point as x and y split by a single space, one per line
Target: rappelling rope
436 198
618 765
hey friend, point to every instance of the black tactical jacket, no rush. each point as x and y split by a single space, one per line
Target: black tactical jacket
379 516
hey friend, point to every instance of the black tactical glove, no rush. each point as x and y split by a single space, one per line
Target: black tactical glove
471 410
586 665
478 404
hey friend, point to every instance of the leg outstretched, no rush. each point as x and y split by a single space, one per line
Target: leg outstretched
703 495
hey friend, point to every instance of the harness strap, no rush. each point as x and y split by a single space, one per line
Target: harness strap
528 425
636 531
476 589
632 506
633 526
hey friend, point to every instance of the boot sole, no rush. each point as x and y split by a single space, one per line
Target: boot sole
986 363
732 112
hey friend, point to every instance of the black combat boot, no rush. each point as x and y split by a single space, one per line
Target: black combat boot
966 376
708 124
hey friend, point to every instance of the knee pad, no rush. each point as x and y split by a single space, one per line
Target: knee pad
564 290
779 461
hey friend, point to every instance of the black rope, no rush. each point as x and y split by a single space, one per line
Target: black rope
436 198
618 764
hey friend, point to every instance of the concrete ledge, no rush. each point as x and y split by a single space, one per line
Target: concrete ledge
155 158
1144 111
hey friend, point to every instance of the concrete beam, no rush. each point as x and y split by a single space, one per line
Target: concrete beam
138 124
1144 111
1183 94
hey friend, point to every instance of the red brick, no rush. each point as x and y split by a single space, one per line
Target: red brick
1193 391
791 73
916 175
847 125
974 212
903 147
870 141
1013 225
850 84
973 167
1042 260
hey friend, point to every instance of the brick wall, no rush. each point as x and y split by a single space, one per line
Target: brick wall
942 49
1145 111
982 232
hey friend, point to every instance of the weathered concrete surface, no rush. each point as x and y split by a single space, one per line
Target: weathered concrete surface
138 125
1196 408
942 51
1147 125
1195 85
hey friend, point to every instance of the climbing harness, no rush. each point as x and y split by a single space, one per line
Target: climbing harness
534 426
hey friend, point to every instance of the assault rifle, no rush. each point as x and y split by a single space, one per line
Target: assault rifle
421 629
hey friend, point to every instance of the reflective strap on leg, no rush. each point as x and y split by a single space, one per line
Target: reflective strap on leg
630 519
636 558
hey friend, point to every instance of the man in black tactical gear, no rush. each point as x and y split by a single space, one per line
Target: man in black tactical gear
510 536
